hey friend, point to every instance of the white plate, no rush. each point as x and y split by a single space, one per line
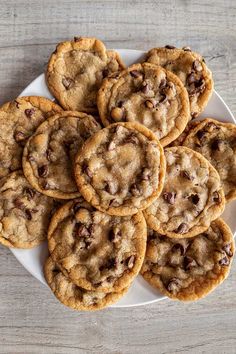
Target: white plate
140 292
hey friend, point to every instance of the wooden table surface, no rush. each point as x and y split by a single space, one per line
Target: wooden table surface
31 319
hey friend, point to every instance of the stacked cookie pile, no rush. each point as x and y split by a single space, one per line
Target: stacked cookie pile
93 178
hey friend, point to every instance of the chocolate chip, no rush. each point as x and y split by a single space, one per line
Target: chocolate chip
194 198
197 66
187 49
191 78
224 261
200 85
169 46
17 104
178 247
114 235
200 134
117 114
150 103
135 73
67 82
169 197
187 175
30 193
19 136
43 171
134 190
45 185
110 279
189 263
86 170
77 39
111 263
132 139
182 228
19 204
216 197
120 103
29 112
227 249
145 89
110 187
145 174
28 214
194 115
163 98
105 72
162 84
130 261
173 285
215 145
81 230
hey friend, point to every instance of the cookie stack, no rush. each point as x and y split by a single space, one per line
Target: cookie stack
93 178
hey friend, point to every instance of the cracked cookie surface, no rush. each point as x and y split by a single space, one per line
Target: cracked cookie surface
95 250
24 213
120 169
190 67
192 195
216 141
75 72
74 296
49 154
18 120
147 94
190 268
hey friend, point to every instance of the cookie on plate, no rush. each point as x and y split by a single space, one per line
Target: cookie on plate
49 153
192 195
24 213
75 72
217 142
18 120
95 250
146 94
74 296
190 67
120 169
190 268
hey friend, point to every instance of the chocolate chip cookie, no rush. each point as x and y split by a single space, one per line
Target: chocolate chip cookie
120 169
190 67
18 120
190 268
217 142
49 153
72 295
147 94
75 72
191 198
95 250
24 213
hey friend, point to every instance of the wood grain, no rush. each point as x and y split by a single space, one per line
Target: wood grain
31 320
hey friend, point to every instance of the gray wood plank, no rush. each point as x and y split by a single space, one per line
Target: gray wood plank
31 319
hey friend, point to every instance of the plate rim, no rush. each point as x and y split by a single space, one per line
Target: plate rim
42 77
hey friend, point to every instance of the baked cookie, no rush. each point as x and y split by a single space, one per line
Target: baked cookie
217 142
95 250
120 169
75 72
147 94
73 296
190 268
190 67
49 154
191 198
179 141
24 213
18 120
